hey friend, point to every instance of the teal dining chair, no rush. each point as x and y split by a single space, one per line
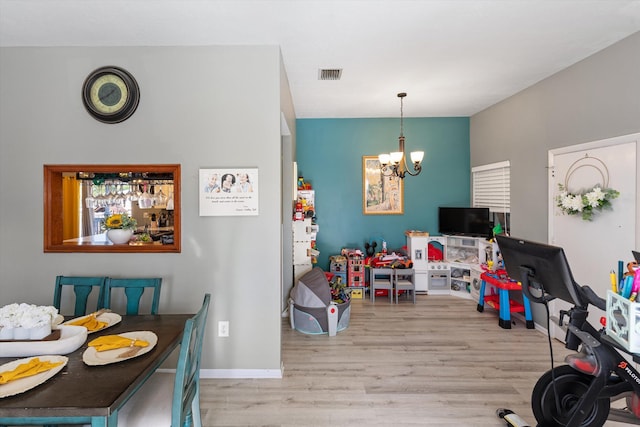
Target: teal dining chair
82 288
133 289
153 405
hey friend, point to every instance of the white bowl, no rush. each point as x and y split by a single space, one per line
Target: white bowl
71 338
20 333
6 333
39 332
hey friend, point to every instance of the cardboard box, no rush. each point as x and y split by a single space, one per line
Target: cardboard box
416 233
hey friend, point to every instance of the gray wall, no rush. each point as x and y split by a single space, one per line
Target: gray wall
595 99
201 107
289 180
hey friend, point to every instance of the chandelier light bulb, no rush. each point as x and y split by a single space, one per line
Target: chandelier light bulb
417 156
396 157
384 159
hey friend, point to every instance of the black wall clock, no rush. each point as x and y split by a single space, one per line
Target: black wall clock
110 94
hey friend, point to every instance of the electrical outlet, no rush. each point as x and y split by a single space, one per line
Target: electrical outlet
223 328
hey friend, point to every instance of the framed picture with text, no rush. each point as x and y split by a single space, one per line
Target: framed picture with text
381 195
228 192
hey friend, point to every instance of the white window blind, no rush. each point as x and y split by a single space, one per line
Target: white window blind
492 186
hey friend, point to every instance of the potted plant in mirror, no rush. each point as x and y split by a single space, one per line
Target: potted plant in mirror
120 228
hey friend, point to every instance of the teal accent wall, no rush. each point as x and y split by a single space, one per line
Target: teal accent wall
329 156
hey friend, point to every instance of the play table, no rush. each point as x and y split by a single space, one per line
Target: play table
502 301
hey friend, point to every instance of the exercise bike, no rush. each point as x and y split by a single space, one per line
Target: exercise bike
580 393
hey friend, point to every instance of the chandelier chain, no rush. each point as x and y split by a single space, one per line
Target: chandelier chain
401 116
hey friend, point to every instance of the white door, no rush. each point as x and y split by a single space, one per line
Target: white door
594 247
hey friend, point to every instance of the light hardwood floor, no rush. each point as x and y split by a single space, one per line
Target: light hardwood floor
436 363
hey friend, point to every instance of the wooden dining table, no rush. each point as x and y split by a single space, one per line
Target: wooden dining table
83 394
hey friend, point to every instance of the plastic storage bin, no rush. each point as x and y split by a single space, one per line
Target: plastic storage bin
623 321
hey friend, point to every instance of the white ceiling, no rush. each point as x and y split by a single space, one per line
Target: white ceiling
452 57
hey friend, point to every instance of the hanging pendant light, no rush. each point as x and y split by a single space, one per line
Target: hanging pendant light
395 163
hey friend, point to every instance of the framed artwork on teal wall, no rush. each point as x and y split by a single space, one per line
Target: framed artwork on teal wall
381 195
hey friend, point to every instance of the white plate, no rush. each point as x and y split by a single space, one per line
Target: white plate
71 338
93 357
27 383
110 318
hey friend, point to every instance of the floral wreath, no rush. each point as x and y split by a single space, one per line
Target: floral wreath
586 203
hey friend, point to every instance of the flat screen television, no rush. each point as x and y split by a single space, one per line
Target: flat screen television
464 221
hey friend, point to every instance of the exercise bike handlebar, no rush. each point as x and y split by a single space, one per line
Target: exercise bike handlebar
593 298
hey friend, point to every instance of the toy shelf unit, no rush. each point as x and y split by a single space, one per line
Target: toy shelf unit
427 255
355 274
463 254
338 267
461 280
304 235
476 283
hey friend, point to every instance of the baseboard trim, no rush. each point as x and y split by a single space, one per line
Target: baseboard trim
241 373
234 373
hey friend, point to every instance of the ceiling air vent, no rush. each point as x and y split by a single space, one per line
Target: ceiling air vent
329 73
